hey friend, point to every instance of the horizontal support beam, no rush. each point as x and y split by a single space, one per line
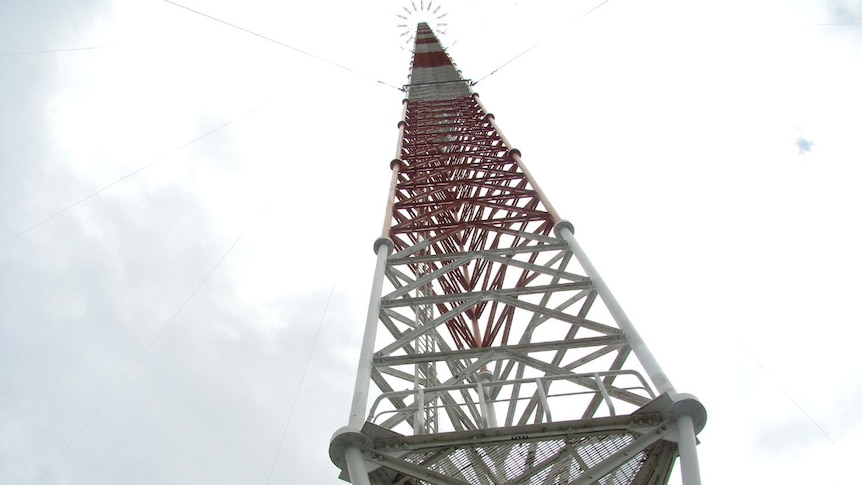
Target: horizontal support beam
617 339
486 295
477 254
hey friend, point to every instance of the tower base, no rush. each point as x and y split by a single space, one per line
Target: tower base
636 449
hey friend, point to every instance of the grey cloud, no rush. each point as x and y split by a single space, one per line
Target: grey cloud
28 83
215 384
49 24
845 11
84 295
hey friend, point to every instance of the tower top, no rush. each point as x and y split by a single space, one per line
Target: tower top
429 13
433 76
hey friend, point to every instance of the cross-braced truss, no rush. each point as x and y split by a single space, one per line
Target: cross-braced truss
495 361
507 301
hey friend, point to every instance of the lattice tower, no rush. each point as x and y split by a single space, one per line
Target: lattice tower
493 351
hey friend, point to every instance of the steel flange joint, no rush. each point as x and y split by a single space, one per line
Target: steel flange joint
344 438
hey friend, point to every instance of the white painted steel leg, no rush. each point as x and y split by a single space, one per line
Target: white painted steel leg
383 246
483 407
687 451
419 418
659 379
356 467
488 410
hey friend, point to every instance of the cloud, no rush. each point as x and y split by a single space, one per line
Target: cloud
804 145
845 11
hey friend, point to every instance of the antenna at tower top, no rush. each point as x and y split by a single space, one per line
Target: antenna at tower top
412 13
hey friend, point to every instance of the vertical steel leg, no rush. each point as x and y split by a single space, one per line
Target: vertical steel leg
565 230
488 410
419 418
383 246
356 467
687 451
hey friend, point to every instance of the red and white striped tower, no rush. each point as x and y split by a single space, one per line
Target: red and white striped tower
493 352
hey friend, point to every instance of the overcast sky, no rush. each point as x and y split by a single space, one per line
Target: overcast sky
167 328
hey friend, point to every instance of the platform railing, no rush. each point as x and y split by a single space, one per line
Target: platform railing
424 398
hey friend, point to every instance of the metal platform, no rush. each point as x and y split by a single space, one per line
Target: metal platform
636 449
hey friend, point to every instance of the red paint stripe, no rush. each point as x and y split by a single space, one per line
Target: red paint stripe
431 59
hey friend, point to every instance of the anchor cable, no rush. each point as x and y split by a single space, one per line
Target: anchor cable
299 387
278 42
